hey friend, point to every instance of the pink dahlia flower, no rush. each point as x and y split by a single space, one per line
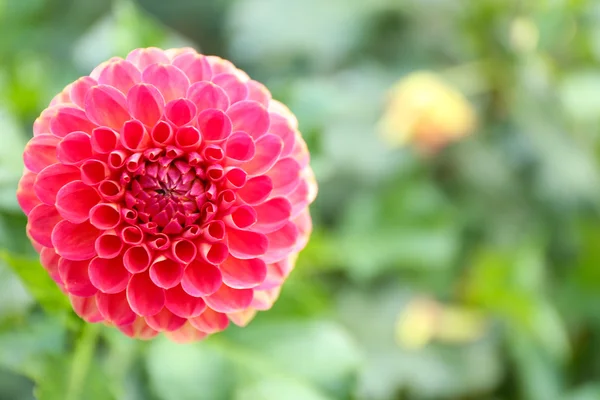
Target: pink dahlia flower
167 192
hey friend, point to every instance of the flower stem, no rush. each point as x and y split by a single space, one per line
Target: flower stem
82 358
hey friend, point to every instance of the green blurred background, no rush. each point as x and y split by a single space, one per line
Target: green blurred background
471 271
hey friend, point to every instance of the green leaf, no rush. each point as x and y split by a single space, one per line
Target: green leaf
37 281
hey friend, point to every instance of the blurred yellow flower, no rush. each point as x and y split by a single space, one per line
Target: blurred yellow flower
424 320
427 112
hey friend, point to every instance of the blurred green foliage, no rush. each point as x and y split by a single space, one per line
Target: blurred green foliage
506 222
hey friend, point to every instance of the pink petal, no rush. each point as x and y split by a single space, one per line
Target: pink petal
235 177
137 259
282 127
111 190
51 179
242 217
279 108
105 216
246 244
170 81
250 117
184 251
256 190
207 95
145 298
104 140
121 75
134 136
236 89
210 321
98 70
116 159
162 133
115 308
75 200
79 90
240 147
214 231
109 276
42 220
242 318
281 242
201 279
165 320
243 274
40 152
227 299
221 66
42 124
213 253
180 111
285 175
25 195
188 138
299 198
132 235
139 329
75 241
70 119
268 150
145 103
86 308
142 58
180 303
194 65
258 92
106 106
94 171
74 275
186 334
166 273
264 299
304 224
177 51
214 124
108 245
49 260
74 148
272 214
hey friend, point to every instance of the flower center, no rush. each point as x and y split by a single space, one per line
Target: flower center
166 194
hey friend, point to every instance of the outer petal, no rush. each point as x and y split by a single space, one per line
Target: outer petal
144 296
120 74
169 80
115 308
25 194
75 241
74 275
42 220
210 321
86 308
51 179
186 334
142 58
145 103
40 152
106 106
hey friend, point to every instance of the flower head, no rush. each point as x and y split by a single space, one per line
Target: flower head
167 192
427 112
